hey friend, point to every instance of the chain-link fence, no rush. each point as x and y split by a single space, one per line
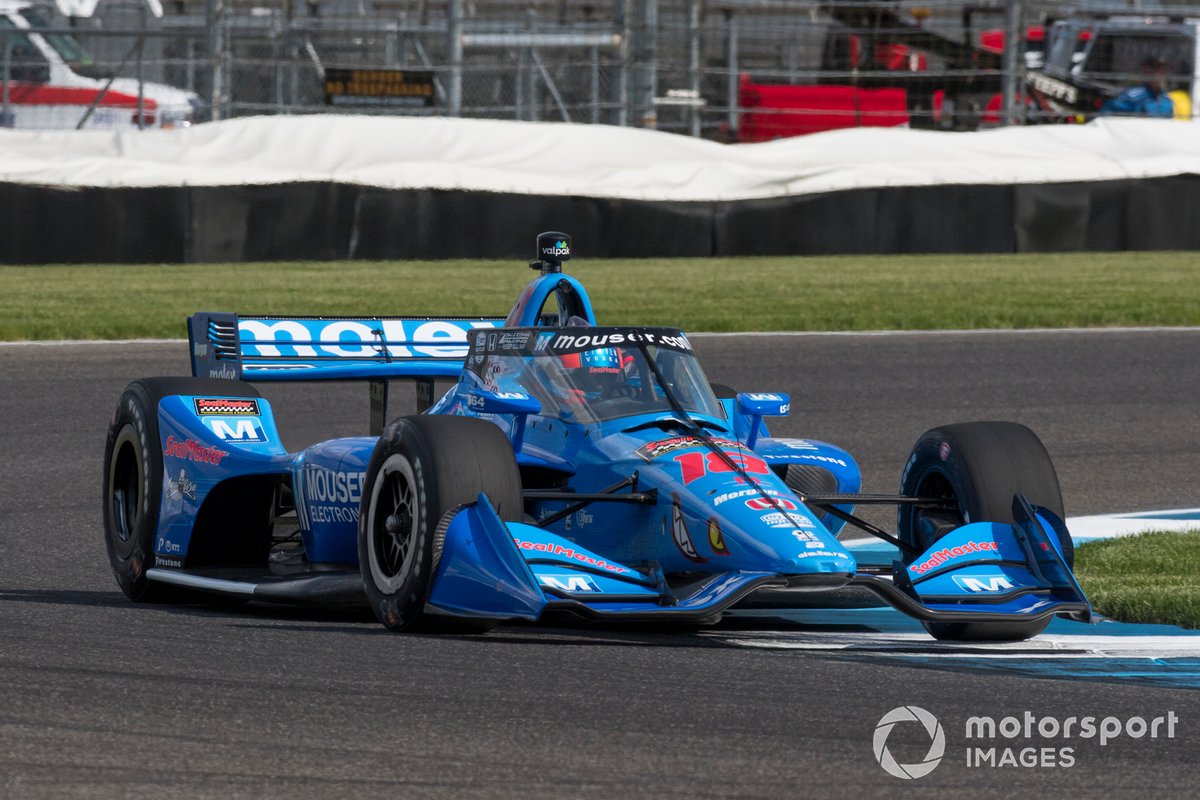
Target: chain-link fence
744 70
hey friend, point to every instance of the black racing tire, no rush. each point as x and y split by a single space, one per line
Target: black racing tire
133 477
977 467
424 467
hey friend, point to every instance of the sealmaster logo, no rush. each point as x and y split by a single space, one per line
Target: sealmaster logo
933 728
191 450
949 553
652 450
224 406
567 552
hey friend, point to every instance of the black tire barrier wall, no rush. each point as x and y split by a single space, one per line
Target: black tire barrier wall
326 221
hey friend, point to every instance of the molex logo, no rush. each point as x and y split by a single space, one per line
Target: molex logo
933 728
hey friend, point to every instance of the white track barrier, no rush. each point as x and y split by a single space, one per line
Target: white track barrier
554 159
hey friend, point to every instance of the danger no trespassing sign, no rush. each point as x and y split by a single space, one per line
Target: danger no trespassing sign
378 87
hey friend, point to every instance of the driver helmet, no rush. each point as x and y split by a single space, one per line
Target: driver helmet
597 372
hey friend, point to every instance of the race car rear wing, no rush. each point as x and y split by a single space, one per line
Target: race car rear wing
375 349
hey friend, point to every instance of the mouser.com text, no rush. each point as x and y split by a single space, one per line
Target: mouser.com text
580 341
1029 726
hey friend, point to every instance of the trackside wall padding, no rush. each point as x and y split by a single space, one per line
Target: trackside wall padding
280 222
427 223
44 225
326 221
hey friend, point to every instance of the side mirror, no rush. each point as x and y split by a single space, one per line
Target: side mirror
776 404
757 405
515 403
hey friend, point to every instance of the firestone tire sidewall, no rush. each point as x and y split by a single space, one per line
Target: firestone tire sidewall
447 462
134 428
984 483
984 464
133 431
398 601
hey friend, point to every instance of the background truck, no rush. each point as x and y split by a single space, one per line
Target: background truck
1091 59
49 80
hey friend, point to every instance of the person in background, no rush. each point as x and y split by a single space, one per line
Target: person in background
1147 99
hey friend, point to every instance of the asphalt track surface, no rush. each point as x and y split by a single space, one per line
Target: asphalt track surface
103 698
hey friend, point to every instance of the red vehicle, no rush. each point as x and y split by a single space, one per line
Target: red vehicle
888 70
775 111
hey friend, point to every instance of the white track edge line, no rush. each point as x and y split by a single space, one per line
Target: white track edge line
74 342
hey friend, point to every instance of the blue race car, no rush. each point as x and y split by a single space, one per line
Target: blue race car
571 470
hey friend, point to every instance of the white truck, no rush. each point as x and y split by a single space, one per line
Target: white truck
48 80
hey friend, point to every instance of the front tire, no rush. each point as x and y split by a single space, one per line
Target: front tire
133 477
977 467
424 468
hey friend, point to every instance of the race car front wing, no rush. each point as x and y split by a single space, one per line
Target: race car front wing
980 572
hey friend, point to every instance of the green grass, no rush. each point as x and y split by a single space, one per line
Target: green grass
766 293
1151 577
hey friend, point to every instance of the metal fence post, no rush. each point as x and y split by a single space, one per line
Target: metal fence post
645 62
534 95
528 75
695 14
731 64
214 36
595 98
621 84
141 76
293 87
1014 62
6 118
189 46
401 54
454 57
281 45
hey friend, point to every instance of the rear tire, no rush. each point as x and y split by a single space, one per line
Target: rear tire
423 468
977 467
133 477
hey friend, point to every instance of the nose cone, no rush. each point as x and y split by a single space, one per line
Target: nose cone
797 544
754 521
787 538
800 551
820 562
